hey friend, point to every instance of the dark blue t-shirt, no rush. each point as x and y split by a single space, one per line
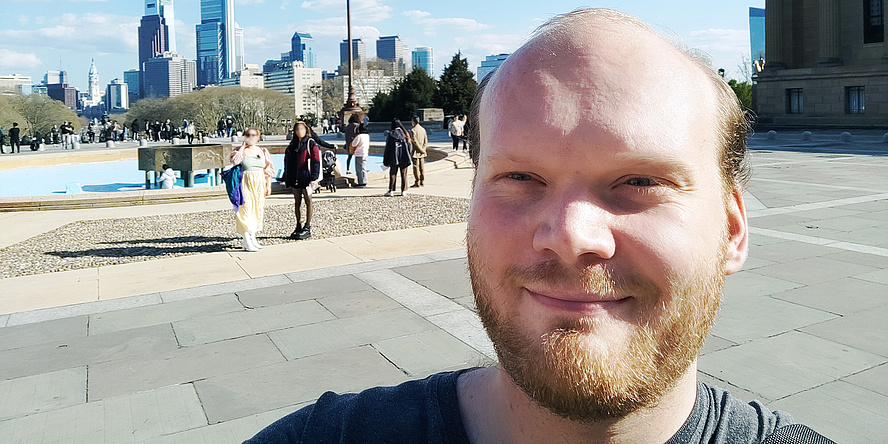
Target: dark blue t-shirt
427 411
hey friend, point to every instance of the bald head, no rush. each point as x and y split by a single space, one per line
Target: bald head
608 69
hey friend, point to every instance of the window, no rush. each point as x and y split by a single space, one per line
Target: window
795 101
873 22
855 100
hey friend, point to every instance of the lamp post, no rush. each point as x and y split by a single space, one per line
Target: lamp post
351 105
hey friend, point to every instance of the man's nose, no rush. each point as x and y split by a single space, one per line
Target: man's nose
577 230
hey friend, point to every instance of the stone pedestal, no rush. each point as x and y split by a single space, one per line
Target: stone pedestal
143 142
75 145
184 158
109 144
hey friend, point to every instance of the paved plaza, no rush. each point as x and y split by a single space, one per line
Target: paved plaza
209 359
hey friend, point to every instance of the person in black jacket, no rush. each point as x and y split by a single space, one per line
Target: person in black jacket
397 156
302 166
15 142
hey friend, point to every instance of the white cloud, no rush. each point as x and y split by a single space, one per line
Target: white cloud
87 34
725 47
366 11
11 60
432 25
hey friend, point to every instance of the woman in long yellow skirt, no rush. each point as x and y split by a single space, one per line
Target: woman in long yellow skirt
256 184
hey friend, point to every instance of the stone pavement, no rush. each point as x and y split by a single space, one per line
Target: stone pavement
802 327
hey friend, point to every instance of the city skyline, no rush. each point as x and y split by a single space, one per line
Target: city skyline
34 43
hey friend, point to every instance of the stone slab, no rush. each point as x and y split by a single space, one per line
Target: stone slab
87 308
157 341
185 365
840 411
865 330
235 431
245 322
42 332
814 270
749 284
43 392
841 296
301 380
301 291
746 319
430 352
226 287
344 305
162 313
874 379
466 326
449 278
412 295
134 417
786 364
307 340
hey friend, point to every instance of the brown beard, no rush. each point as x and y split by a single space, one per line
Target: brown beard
561 372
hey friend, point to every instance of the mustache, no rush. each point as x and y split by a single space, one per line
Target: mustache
596 279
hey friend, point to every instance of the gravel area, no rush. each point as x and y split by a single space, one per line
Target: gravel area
95 243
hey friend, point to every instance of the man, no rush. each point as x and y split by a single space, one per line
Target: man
456 131
597 259
420 145
2 139
351 130
465 132
15 142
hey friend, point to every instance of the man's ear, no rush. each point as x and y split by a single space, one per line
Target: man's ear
737 247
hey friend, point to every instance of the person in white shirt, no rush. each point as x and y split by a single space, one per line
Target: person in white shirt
360 147
167 178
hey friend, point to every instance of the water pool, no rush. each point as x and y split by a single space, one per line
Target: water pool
97 177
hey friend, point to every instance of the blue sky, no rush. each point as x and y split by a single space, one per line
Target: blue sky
40 35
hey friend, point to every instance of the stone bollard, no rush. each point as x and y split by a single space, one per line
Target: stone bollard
143 142
109 144
846 137
806 135
234 139
75 145
885 138
772 135
176 141
41 147
262 136
205 140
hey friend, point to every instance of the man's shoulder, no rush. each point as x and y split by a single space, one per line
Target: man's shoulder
424 410
718 417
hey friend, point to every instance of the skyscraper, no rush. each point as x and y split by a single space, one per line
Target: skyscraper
219 43
756 35
300 49
164 8
168 75
423 58
116 97
153 41
358 49
132 80
490 63
94 94
392 50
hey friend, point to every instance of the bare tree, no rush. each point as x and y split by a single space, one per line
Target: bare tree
40 112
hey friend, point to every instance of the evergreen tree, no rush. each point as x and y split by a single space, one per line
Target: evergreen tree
416 90
456 88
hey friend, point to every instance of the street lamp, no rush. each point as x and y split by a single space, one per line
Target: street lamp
351 105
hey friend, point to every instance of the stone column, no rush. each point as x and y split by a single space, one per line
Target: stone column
885 28
830 33
775 34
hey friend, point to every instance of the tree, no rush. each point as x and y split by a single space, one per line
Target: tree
331 96
743 90
416 90
39 113
456 88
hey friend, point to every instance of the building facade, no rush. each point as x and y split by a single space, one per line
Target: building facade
359 53
422 57
164 8
367 83
250 77
169 75
301 50
15 84
756 37
131 78
219 42
826 65
63 93
490 63
304 84
116 97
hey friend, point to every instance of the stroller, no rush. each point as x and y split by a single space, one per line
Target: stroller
328 165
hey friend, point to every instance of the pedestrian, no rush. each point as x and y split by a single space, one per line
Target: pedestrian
326 125
155 131
67 131
351 130
167 131
229 126
134 129
397 156
167 178
456 131
302 166
258 170
54 135
188 130
1 141
147 127
360 148
465 132
321 142
15 143
420 145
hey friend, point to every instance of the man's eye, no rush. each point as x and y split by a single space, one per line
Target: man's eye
641 182
519 176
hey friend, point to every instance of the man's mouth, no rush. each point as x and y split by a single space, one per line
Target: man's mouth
576 302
